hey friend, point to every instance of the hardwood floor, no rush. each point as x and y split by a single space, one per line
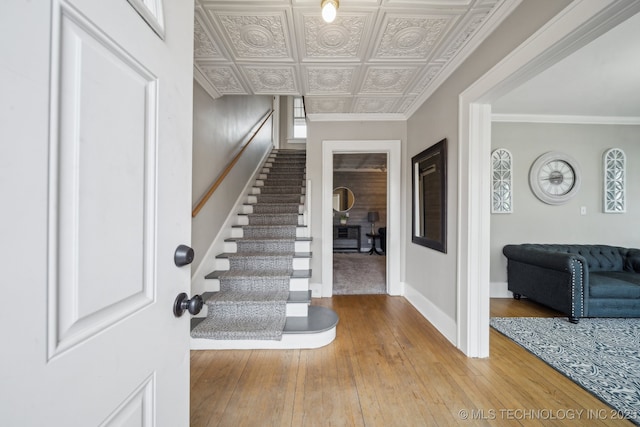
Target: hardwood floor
389 367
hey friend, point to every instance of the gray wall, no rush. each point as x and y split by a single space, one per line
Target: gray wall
321 131
535 222
370 194
220 127
431 273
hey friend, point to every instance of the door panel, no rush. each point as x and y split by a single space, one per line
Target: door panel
95 173
103 184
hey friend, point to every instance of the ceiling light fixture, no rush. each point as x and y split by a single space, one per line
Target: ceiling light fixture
329 10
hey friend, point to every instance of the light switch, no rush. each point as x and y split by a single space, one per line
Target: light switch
583 210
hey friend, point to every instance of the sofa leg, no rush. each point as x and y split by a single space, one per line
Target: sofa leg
573 319
516 296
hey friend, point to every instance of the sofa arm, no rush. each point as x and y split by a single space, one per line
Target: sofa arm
557 279
560 261
632 261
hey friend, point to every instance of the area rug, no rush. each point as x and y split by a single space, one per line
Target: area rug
359 274
601 355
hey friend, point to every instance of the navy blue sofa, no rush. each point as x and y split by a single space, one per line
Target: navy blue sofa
578 280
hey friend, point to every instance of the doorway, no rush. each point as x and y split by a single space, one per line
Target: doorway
360 223
564 34
391 151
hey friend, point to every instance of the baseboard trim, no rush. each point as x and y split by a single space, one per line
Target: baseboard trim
443 323
500 290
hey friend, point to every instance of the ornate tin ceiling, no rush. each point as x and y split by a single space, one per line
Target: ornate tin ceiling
381 57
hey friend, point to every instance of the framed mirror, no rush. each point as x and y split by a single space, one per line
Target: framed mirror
429 185
343 199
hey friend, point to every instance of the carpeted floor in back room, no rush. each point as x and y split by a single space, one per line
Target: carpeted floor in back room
359 274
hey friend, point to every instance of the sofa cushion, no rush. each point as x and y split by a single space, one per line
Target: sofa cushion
614 284
598 257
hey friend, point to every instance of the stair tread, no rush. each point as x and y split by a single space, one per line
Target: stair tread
249 273
264 254
270 214
293 297
293 274
257 297
319 319
267 239
259 225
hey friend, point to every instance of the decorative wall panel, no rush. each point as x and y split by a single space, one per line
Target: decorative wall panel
501 181
615 200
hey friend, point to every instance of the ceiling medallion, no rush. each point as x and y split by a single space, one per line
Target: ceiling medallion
329 10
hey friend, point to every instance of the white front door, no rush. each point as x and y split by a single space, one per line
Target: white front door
95 196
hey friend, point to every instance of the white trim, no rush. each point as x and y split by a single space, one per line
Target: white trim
199 77
564 119
498 15
500 290
152 12
275 124
288 342
355 117
430 311
579 23
474 233
394 191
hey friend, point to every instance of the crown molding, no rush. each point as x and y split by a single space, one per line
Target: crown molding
498 15
564 119
199 76
355 117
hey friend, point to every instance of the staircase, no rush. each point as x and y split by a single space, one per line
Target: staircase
264 299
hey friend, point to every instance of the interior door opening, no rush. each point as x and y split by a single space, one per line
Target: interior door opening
359 202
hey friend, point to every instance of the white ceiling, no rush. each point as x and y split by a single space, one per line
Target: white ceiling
378 56
600 80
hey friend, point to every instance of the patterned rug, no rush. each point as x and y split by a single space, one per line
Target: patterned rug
601 355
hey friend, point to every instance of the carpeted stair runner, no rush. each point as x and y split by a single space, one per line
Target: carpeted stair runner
251 303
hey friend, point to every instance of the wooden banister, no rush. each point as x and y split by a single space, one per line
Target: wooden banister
226 170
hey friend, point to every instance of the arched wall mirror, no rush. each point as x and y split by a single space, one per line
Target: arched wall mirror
343 199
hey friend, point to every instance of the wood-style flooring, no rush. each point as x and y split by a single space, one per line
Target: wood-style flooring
389 367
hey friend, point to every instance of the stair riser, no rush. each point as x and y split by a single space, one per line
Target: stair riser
245 220
297 309
248 209
303 246
237 232
301 284
268 190
252 199
263 176
223 264
283 181
286 171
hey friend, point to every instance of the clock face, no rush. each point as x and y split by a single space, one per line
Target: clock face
554 178
557 177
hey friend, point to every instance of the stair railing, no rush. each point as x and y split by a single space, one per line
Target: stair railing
230 166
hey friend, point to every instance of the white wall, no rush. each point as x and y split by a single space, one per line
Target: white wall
535 222
220 127
429 273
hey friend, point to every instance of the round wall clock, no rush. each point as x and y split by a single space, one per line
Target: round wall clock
554 178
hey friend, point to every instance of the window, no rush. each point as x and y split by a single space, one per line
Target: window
299 120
